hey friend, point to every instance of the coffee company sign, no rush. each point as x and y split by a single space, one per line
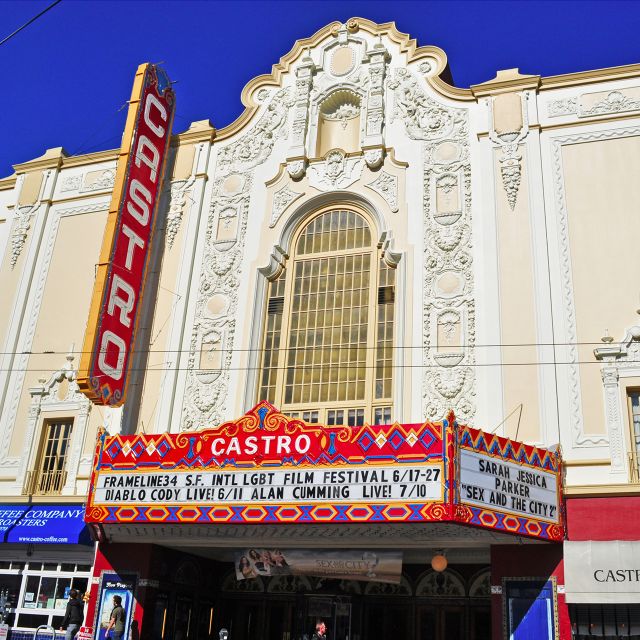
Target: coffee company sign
268 468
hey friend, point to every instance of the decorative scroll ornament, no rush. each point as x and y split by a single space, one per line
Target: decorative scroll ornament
20 232
449 379
105 181
336 171
213 337
562 107
374 157
297 168
281 200
71 183
386 186
343 114
179 190
511 171
254 147
511 160
612 102
424 119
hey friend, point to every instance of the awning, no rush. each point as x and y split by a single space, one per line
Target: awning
43 524
602 572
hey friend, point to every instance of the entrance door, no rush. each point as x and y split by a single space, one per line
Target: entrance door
242 619
441 623
334 611
388 620
279 620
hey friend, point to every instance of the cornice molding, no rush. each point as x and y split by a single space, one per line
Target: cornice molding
199 131
603 462
51 159
506 81
590 77
8 183
91 158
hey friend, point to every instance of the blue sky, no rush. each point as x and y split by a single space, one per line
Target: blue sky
66 76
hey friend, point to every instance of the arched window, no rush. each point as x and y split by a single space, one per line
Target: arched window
327 347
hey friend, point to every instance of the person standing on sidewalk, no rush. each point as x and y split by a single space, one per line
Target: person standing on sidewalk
73 616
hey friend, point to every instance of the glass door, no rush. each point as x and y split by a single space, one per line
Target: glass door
441 623
334 611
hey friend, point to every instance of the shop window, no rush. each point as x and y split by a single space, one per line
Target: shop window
49 475
37 592
531 610
328 338
634 418
604 621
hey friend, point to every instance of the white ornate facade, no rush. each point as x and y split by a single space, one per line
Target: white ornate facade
509 211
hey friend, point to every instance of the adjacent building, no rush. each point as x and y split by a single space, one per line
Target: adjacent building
366 244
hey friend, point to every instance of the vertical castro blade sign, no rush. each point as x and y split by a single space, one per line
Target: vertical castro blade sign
124 258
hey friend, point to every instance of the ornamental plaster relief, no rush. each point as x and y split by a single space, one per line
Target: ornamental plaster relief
335 171
570 337
281 200
20 231
386 186
213 337
509 143
448 291
179 196
91 181
618 361
255 146
599 103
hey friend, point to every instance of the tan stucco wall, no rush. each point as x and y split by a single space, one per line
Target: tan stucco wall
65 305
517 311
603 201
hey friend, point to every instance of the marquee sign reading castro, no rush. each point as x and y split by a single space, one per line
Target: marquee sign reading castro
269 468
124 258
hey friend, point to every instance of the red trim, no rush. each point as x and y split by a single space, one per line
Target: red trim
610 518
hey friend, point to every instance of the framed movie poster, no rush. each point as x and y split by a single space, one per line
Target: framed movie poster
114 584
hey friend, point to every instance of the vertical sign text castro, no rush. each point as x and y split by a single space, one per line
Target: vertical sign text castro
114 314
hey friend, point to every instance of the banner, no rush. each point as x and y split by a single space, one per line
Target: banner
370 566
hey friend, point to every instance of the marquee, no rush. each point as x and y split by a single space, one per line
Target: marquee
268 468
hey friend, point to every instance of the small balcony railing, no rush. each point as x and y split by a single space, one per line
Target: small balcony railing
44 483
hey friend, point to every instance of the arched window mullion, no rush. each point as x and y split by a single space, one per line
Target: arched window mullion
330 307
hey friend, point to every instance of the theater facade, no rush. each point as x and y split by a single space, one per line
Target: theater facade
384 367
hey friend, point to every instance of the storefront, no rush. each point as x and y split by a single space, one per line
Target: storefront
47 551
266 524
